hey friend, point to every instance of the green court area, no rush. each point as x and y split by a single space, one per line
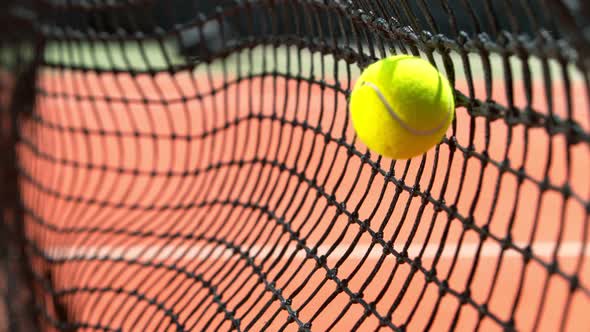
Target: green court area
162 55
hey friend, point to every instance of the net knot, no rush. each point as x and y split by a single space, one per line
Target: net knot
363 226
463 38
295 235
311 253
443 288
305 327
342 285
544 185
574 283
527 254
388 248
321 261
357 297
402 257
350 150
332 274
509 327
482 310
415 191
468 152
377 237
416 263
430 275
468 223
365 157
506 242
452 143
292 314
300 245
484 232
390 175
521 174
438 205
353 217
465 296
566 191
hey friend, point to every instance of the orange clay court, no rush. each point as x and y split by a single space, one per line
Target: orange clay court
178 213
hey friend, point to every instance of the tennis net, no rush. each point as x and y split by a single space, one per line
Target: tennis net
181 166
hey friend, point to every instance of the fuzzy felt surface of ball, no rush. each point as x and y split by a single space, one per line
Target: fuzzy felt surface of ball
401 106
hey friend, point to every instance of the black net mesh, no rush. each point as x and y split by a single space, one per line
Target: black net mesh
190 165
17 88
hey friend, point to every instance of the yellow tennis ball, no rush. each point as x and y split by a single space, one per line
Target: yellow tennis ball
401 106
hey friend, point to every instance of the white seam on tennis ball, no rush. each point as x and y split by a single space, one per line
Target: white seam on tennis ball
401 122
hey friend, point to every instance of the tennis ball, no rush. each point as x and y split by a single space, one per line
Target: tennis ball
401 106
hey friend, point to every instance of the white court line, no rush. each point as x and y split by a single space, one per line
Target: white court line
208 251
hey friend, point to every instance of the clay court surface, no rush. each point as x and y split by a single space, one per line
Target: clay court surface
158 193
